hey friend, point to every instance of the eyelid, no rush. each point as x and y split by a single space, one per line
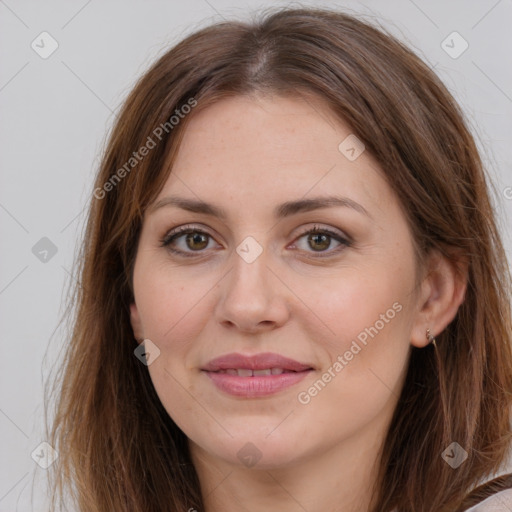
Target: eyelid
184 229
343 239
179 231
323 229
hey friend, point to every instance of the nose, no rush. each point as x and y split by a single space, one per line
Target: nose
252 298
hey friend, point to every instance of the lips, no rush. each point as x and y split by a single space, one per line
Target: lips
255 376
245 372
257 362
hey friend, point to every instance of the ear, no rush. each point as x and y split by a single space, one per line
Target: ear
138 331
441 293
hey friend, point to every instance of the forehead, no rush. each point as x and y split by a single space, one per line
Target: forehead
276 129
259 150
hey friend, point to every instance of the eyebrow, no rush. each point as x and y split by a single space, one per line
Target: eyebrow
281 211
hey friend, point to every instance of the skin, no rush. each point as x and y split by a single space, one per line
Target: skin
247 155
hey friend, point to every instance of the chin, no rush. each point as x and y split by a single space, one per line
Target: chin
247 449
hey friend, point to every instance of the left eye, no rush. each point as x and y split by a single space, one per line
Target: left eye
317 239
320 239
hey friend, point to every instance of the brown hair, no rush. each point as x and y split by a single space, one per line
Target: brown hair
119 449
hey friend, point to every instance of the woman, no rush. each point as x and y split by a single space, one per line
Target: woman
293 292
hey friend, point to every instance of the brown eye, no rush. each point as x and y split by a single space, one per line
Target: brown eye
322 241
197 241
186 240
319 241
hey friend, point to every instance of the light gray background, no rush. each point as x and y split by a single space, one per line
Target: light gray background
55 114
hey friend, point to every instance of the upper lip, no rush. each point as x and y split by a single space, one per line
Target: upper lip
261 361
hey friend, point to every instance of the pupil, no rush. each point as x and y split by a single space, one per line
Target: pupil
324 241
193 238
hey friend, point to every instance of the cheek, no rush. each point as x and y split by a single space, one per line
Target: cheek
367 318
170 302
173 310
366 358
357 300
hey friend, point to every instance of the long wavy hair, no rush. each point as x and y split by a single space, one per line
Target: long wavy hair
119 449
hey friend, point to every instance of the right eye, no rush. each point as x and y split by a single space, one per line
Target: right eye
186 241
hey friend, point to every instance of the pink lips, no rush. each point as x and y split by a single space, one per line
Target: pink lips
255 376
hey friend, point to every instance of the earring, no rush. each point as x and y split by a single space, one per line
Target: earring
431 339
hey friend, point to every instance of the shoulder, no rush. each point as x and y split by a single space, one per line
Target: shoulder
495 503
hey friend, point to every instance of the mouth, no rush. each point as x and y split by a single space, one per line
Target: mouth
266 361
255 376
246 372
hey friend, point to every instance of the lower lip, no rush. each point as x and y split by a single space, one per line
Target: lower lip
251 387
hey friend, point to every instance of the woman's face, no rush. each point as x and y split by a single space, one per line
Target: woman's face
283 314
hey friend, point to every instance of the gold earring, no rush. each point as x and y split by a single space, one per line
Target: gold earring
431 338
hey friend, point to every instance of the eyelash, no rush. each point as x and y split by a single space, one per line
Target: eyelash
184 230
